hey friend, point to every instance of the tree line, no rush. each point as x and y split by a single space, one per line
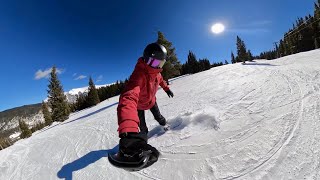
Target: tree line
58 109
303 36
94 95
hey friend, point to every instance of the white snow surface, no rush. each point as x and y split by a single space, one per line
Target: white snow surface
255 121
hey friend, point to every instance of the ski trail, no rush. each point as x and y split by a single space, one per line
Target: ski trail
144 175
275 153
294 89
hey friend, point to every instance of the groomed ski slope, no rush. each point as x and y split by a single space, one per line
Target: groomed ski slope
255 121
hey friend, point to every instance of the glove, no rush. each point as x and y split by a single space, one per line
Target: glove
170 93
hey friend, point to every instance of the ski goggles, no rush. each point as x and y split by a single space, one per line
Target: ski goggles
156 63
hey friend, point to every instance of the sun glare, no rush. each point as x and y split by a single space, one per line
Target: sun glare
217 28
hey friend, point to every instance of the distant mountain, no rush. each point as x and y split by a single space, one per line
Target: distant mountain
32 114
72 94
9 119
84 89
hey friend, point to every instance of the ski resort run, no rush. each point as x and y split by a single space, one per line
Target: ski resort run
259 120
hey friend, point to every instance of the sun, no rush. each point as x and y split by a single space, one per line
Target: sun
217 28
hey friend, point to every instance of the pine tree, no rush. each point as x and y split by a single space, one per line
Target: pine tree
250 56
25 131
233 59
281 51
204 64
193 65
317 9
57 99
226 62
81 101
241 50
93 97
184 69
316 43
172 67
316 25
46 114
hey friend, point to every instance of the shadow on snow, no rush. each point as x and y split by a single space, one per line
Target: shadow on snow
257 64
93 156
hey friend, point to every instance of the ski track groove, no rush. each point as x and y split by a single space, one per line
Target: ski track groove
288 138
301 105
144 175
278 150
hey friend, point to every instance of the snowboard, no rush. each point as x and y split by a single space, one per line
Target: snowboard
131 164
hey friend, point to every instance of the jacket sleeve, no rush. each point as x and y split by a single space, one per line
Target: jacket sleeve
163 83
128 119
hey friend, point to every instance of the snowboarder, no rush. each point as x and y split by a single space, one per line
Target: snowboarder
138 96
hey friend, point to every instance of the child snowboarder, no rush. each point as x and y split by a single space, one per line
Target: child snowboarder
138 96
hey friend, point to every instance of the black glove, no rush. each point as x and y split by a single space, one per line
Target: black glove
133 144
170 93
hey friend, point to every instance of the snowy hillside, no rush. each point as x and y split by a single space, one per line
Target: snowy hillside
72 94
76 91
11 123
253 121
31 120
9 119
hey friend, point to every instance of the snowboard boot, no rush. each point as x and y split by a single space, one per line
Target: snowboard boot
134 147
162 121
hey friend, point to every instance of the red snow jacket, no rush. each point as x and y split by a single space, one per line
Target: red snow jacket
139 94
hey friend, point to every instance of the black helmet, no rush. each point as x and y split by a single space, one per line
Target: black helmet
153 53
155 50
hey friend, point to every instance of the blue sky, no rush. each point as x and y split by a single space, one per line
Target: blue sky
104 38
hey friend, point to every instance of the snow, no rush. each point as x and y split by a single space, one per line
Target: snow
254 121
76 91
15 135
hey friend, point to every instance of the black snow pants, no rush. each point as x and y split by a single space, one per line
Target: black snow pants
156 114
